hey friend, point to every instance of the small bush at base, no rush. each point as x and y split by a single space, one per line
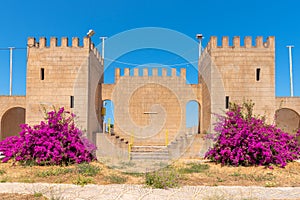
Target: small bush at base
246 140
54 172
87 169
194 168
116 179
162 179
38 194
81 180
55 141
2 171
3 180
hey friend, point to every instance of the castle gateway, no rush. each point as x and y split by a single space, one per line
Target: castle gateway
150 110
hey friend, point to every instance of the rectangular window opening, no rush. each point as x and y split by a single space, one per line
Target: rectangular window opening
257 74
71 101
42 73
227 102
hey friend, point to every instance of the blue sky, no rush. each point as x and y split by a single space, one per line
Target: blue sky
21 19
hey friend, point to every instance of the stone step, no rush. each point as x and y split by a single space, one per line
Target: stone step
149 155
116 138
149 149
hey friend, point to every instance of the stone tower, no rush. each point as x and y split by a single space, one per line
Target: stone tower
64 75
70 74
236 73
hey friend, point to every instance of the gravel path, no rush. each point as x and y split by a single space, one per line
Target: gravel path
140 192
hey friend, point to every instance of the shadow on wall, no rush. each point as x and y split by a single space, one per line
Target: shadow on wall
287 120
10 122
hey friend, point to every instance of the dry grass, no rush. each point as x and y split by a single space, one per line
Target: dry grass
194 173
8 196
191 172
57 174
246 176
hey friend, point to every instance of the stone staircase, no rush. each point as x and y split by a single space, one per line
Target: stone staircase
149 153
178 146
118 141
174 150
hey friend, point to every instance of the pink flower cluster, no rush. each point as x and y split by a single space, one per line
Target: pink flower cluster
54 141
247 140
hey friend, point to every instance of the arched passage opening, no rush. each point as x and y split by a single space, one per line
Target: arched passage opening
10 122
108 114
193 116
287 120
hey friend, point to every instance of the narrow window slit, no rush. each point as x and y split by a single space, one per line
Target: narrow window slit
42 73
257 74
227 102
71 101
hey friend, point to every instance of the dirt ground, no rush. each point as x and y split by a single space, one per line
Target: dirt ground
209 174
6 196
213 174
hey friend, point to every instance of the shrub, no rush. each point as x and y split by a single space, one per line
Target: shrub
81 180
87 169
54 172
194 168
2 171
54 141
115 179
246 140
162 179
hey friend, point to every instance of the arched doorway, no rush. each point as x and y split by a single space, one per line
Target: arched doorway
108 114
287 120
10 122
193 116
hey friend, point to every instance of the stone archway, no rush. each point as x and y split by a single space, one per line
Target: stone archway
288 120
10 122
193 116
107 113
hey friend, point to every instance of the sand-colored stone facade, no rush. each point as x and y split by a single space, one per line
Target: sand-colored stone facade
65 73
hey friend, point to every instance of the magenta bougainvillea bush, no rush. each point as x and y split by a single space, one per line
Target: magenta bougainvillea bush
246 140
54 141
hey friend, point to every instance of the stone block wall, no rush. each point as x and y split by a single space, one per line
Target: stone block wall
147 106
62 76
94 93
205 81
10 121
243 72
287 114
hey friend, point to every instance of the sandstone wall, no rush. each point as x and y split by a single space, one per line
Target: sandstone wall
244 72
287 115
62 76
148 106
12 114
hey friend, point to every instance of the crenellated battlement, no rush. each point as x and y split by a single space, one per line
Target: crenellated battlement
64 43
236 42
145 72
42 42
